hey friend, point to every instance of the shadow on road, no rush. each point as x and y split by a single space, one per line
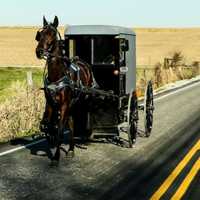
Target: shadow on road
39 149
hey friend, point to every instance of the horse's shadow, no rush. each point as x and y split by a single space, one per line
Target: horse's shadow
37 145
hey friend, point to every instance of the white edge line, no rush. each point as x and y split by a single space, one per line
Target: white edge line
21 147
42 140
177 91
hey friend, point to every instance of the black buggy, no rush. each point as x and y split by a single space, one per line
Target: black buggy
111 52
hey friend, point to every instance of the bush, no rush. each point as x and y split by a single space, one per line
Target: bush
158 75
177 59
20 114
195 68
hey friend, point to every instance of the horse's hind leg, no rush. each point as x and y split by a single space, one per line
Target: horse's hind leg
71 138
56 157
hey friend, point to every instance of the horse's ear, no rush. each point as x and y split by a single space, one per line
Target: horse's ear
45 23
55 22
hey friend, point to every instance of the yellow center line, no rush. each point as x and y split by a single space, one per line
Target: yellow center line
166 184
188 179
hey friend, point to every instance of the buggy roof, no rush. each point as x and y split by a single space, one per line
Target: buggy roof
97 30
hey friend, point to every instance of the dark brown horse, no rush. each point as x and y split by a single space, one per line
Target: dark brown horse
62 79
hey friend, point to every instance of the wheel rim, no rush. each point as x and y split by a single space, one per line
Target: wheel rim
132 117
148 109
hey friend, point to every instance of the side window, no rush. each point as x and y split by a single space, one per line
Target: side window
124 47
72 47
103 51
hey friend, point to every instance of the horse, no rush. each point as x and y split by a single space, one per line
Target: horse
63 79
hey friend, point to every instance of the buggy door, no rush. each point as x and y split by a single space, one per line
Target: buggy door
105 62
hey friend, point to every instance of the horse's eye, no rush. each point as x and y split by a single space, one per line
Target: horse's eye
38 36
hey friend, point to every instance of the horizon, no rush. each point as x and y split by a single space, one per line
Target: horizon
138 27
63 26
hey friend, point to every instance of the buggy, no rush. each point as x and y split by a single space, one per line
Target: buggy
111 53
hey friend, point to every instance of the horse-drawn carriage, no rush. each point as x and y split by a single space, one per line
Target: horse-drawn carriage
111 53
91 76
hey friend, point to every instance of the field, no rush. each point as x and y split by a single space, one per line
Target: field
155 44
17 45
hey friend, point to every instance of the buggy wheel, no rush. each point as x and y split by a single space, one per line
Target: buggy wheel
148 109
132 118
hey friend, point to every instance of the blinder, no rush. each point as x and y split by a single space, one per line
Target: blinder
38 36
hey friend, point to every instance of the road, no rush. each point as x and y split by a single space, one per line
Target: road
108 171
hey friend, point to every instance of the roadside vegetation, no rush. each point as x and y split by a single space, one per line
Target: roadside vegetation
20 112
173 68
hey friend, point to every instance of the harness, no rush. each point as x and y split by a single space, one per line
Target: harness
53 88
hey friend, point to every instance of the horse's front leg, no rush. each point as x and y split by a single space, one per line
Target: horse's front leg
67 120
62 121
46 119
60 133
58 141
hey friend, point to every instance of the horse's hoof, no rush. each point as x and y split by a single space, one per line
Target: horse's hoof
54 163
41 153
70 154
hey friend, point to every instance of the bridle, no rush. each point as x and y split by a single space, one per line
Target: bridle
46 53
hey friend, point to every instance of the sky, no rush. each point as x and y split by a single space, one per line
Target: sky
129 13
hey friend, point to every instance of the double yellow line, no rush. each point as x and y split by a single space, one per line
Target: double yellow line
186 182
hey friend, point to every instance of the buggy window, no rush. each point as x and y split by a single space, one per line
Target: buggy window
103 50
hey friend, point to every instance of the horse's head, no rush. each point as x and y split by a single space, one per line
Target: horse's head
46 37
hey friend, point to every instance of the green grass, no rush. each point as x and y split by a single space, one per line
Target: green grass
9 75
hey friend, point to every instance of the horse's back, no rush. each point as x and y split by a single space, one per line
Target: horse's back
85 73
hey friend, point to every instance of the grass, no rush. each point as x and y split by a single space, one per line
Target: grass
9 75
21 112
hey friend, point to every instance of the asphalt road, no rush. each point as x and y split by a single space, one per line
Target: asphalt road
108 171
